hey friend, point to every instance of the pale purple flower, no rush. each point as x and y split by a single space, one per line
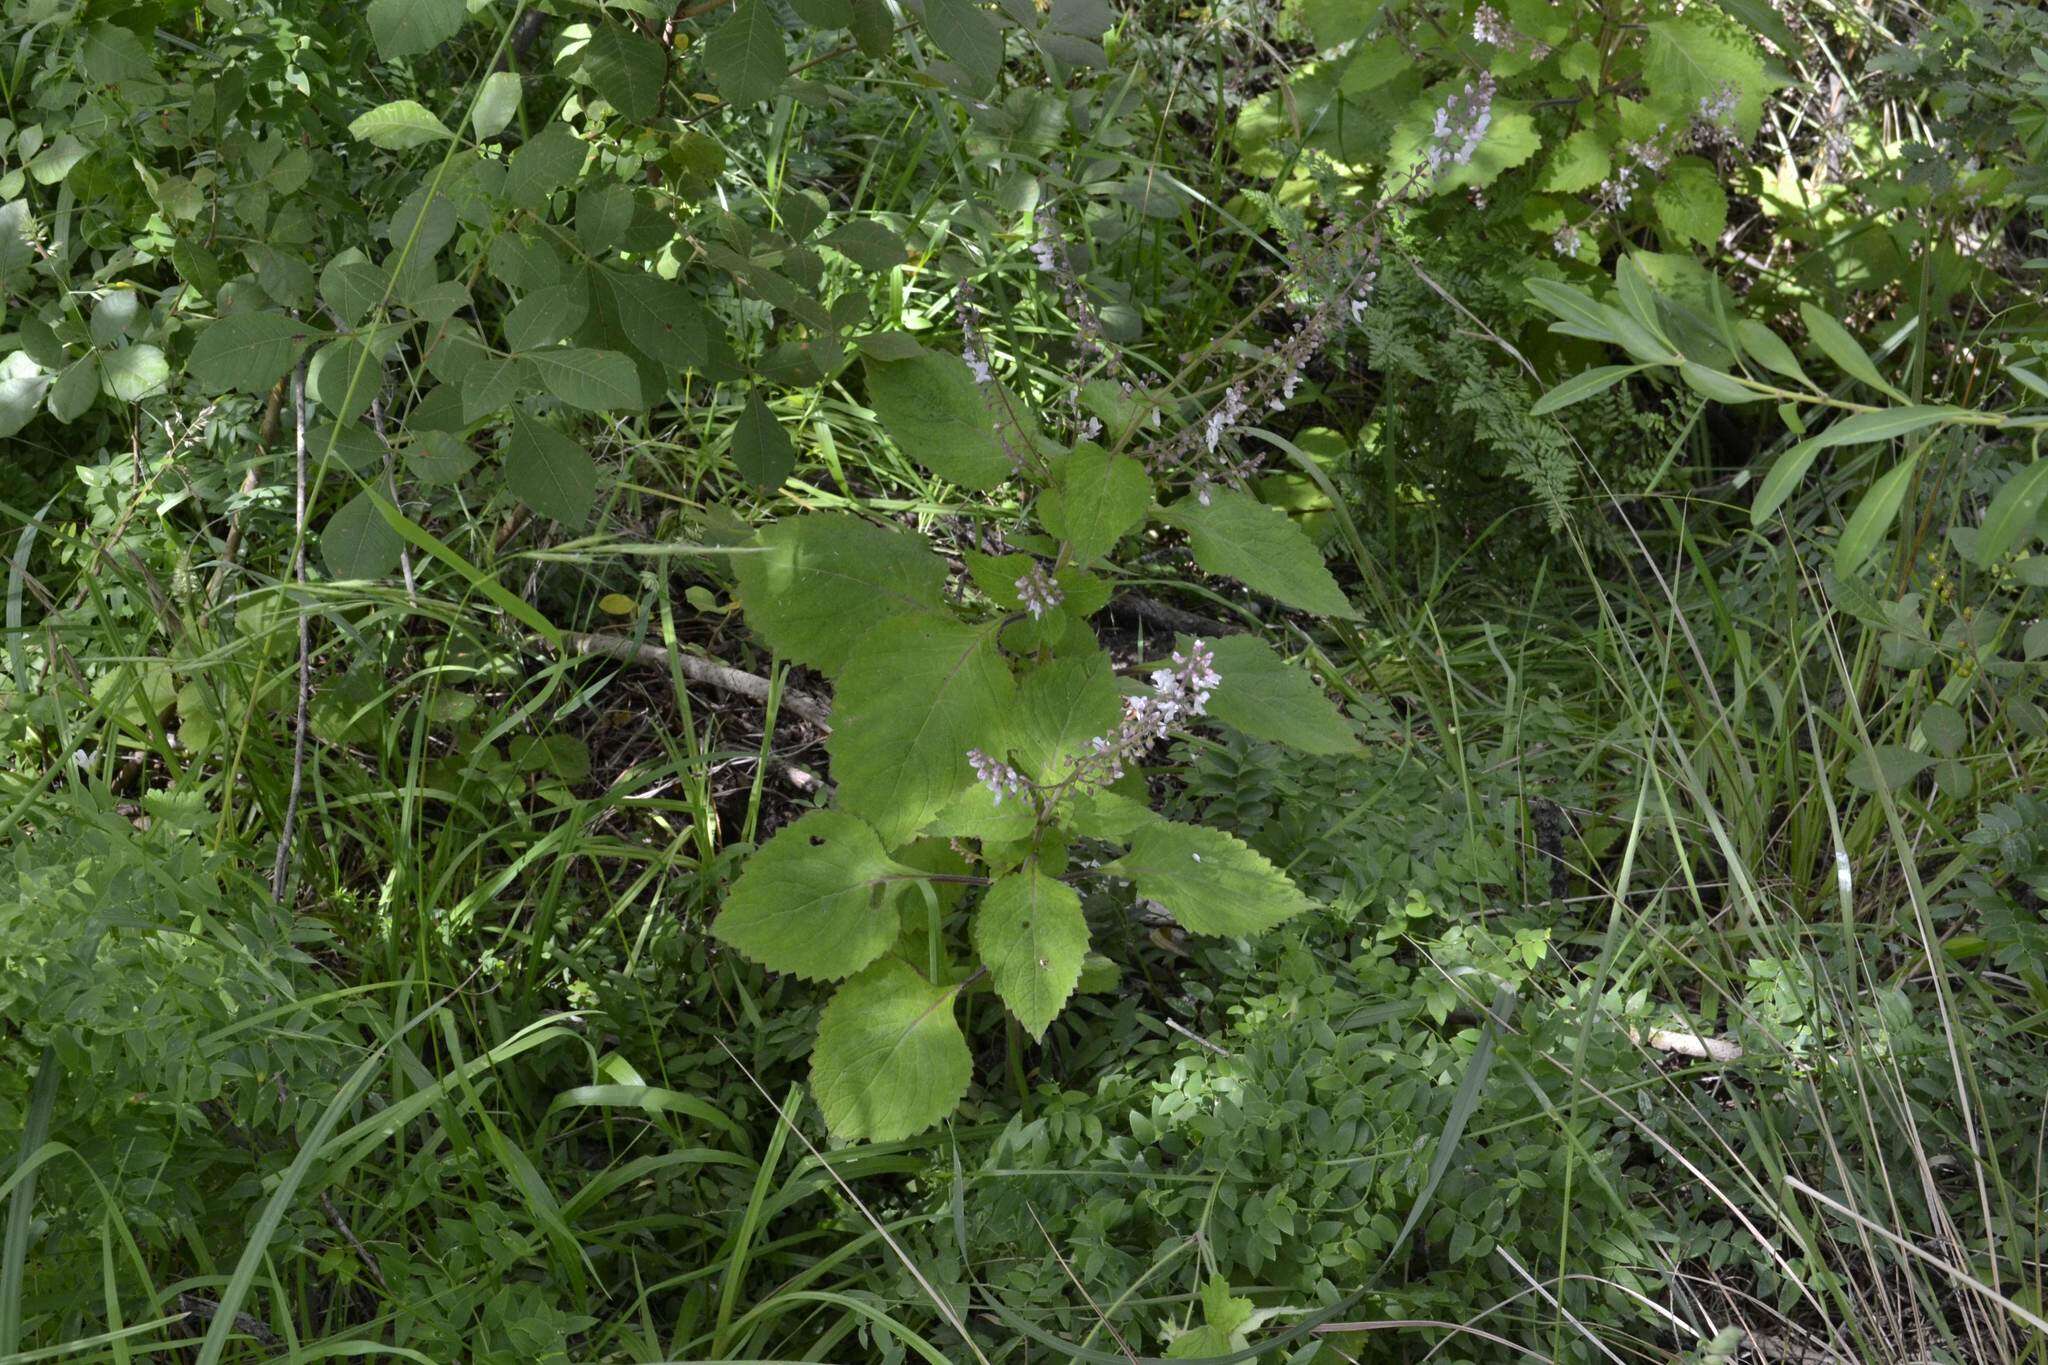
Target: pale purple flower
1038 591
1460 125
1000 778
1489 27
1179 692
1566 241
977 364
1615 192
1046 247
1652 155
1714 121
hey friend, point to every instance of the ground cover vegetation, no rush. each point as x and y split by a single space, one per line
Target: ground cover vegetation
1070 680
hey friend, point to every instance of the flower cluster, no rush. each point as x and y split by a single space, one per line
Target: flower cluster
1000 778
1038 591
1713 122
1179 693
1460 126
1328 286
1490 28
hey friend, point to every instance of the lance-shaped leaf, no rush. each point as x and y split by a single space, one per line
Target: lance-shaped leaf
1236 535
891 1060
818 900
1266 697
1210 881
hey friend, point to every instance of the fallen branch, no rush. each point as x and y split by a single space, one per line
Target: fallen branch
1168 617
709 672
1688 1045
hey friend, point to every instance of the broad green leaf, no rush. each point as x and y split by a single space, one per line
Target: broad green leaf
352 285
547 316
874 27
1837 345
1097 498
1769 350
1031 935
248 352
2034 644
818 900
604 214
1235 535
496 103
491 384
1580 162
1944 727
891 1060
868 244
965 32
439 458
596 381
1266 697
1210 881
404 28
22 386
549 472
1886 767
1582 386
132 373
17 238
1221 1309
545 163
626 69
353 447
357 543
915 695
819 584
761 450
1873 517
940 418
344 376
57 160
2013 519
399 125
1690 203
1061 707
1690 59
77 385
1784 476
110 54
745 56
662 319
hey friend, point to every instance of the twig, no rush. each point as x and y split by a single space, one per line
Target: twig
291 808
206 1310
1195 1037
1688 1045
342 1227
700 670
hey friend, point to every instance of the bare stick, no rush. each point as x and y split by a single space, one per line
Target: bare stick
709 672
291 807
